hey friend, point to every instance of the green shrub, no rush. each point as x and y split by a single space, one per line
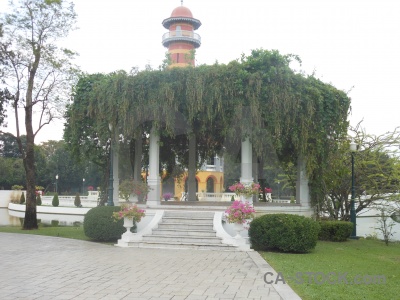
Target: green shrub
17 187
38 200
284 232
335 231
99 224
77 201
55 201
22 198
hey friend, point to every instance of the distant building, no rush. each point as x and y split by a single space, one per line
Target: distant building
181 41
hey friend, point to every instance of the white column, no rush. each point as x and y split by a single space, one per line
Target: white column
247 165
138 160
115 158
154 180
302 188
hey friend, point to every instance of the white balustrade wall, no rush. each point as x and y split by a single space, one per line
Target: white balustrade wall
225 197
87 201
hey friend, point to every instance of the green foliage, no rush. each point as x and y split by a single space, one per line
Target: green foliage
38 200
284 232
22 198
11 172
4 97
9 146
386 223
335 231
288 112
77 201
17 187
55 202
376 169
136 188
99 224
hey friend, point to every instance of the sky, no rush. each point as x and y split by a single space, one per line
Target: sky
352 44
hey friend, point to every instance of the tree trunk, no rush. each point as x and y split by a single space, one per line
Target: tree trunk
30 221
29 158
192 168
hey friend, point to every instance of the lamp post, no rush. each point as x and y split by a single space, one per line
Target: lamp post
110 201
83 185
57 183
279 190
353 219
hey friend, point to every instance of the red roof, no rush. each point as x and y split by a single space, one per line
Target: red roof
181 11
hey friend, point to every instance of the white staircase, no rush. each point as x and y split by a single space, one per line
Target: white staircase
184 230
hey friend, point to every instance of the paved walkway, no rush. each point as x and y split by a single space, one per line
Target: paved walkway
40 267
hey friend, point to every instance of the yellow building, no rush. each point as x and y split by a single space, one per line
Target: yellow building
209 179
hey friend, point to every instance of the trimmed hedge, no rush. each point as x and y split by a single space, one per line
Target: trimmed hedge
22 198
55 202
77 201
99 225
284 232
335 231
38 200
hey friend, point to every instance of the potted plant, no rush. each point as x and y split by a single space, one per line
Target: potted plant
245 189
130 187
239 214
268 194
167 196
129 213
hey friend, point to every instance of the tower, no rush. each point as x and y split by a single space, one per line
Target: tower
181 40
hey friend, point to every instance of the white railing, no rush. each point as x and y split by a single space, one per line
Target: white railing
86 201
280 201
181 34
211 167
216 197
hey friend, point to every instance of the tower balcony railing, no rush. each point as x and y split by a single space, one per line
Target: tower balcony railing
181 35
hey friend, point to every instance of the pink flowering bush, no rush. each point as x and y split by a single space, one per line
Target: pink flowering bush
129 211
246 190
167 196
239 211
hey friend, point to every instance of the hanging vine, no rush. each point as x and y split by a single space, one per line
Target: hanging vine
257 96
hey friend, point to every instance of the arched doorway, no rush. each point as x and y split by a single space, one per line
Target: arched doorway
210 188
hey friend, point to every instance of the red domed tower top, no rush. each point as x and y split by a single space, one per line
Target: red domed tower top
181 11
181 40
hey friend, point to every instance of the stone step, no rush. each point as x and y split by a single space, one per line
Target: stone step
186 232
170 245
187 220
181 239
189 214
185 226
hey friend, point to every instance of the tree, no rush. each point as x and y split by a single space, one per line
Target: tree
11 172
9 146
38 74
5 95
88 138
377 174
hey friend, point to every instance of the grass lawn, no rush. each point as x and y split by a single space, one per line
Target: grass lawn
354 257
71 232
